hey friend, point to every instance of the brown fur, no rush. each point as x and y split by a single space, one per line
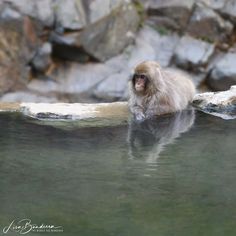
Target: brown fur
166 92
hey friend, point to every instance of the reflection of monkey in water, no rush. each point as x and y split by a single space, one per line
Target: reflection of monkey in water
155 91
149 137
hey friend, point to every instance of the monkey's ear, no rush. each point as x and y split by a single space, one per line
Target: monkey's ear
131 77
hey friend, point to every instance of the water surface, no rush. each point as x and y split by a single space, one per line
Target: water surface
171 176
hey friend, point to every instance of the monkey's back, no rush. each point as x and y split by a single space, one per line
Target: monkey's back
180 88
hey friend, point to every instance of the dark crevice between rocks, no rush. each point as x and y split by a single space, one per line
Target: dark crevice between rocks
71 53
53 116
230 110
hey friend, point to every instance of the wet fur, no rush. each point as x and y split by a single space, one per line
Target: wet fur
166 92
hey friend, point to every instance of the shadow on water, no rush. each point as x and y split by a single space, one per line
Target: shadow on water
161 177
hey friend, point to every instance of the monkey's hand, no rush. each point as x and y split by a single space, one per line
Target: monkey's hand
136 110
139 116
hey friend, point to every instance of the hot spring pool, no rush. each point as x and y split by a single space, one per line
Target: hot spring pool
172 176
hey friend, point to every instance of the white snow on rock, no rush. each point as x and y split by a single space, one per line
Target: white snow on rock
222 104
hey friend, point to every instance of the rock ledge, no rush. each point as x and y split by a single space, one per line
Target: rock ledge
222 104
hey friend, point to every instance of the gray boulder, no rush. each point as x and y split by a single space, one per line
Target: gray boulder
97 9
113 88
70 14
225 7
101 40
223 73
7 13
42 58
41 10
118 63
213 4
206 24
192 53
222 104
66 14
26 7
171 13
73 78
18 41
229 10
109 36
151 45
141 51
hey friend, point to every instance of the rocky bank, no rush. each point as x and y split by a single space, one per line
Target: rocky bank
84 51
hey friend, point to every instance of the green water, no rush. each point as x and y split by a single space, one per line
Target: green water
169 177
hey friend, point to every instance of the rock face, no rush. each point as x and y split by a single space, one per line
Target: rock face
109 82
41 10
223 73
222 104
34 33
205 23
171 13
229 10
101 29
98 9
192 53
66 14
69 14
86 49
74 79
214 4
113 88
111 35
17 44
151 45
102 39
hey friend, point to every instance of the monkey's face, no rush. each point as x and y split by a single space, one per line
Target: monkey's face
140 82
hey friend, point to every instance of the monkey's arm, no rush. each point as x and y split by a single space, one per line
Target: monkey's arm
136 110
139 115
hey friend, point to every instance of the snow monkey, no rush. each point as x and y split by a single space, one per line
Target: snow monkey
156 91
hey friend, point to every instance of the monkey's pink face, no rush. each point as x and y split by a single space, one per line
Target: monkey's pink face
140 82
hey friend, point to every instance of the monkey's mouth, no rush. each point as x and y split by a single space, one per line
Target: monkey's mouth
139 87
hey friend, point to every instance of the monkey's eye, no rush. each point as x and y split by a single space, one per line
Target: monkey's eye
140 76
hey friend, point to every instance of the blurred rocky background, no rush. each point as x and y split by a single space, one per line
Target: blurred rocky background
84 50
